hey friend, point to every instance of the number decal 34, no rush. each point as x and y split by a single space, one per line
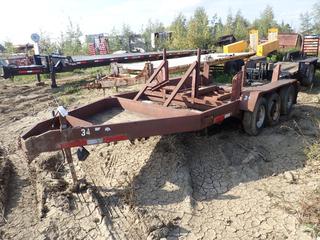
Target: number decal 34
85 132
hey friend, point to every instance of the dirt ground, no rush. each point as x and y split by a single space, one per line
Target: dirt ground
224 185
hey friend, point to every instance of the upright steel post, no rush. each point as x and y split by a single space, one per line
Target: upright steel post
67 151
52 73
68 154
165 70
196 76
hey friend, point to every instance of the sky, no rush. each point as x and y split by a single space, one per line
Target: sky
20 18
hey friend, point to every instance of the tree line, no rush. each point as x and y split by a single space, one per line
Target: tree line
198 31
310 20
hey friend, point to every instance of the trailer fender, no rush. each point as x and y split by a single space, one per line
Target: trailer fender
249 100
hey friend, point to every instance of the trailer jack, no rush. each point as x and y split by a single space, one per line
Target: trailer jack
82 153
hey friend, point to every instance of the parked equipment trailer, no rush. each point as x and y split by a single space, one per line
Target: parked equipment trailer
53 64
294 65
162 106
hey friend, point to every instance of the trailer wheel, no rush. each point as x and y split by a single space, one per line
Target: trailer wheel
273 109
309 76
287 96
253 122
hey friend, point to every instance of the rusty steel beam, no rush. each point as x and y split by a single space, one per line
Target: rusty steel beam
179 85
151 79
276 73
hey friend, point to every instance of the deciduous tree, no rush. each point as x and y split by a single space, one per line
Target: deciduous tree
198 33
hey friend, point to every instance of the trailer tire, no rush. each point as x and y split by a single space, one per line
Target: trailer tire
253 122
308 77
287 96
273 109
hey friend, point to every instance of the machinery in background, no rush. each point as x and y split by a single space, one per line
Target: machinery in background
98 44
157 38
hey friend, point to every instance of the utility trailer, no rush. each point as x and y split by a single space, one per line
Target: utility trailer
52 64
294 65
162 106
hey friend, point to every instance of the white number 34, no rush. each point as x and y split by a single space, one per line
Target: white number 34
85 132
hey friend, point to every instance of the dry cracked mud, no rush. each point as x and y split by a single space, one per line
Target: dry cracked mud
219 185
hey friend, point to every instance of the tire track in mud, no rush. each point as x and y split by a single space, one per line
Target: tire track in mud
15 105
142 170
114 217
204 182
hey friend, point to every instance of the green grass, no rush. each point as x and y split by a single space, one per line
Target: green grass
313 152
26 79
72 87
221 77
69 92
310 206
317 75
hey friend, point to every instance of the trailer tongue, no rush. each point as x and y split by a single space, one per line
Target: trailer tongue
163 106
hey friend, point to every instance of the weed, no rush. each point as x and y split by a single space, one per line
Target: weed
313 152
310 212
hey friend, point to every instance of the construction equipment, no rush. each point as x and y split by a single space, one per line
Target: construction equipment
52 64
264 49
294 65
98 44
236 47
163 106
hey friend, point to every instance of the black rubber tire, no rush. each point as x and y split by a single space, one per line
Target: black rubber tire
287 96
308 78
273 109
249 121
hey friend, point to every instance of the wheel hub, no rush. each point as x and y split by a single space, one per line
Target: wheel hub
261 116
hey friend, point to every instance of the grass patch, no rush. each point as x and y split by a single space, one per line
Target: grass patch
221 77
218 77
310 213
27 79
72 87
313 152
317 75
69 92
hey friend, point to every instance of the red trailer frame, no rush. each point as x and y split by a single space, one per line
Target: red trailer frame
183 104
